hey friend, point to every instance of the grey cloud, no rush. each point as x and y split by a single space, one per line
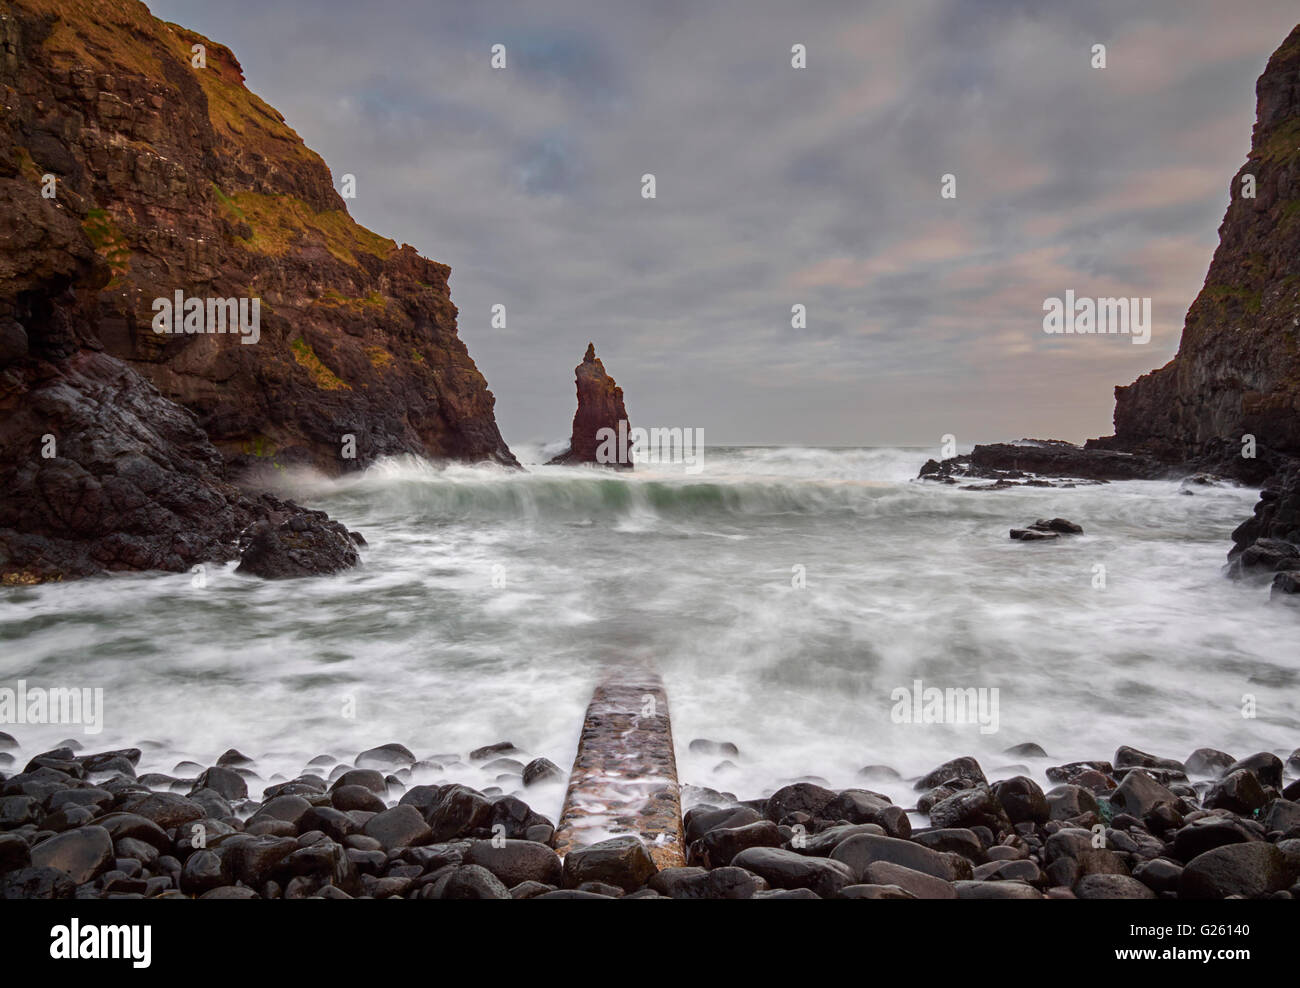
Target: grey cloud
778 186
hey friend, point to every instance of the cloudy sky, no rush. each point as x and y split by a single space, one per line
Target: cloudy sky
775 186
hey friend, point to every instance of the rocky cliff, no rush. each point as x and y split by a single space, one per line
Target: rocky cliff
175 177
131 169
600 406
1237 370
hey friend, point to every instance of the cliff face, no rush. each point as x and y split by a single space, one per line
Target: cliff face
116 443
173 177
600 406
1238 365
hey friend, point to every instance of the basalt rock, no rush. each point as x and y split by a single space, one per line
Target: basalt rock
600 406
1269 541
308 544
1029 461
1237 371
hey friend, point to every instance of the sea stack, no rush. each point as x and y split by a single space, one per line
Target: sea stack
600 406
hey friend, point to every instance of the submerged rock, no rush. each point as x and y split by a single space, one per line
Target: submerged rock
308 544
1030 535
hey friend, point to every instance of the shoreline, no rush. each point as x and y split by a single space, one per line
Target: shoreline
83 825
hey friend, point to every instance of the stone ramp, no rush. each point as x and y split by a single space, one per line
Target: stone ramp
624 778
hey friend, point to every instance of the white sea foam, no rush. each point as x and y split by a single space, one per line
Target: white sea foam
489 600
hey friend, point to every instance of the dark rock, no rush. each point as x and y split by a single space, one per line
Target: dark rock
1032 535
323 863
357 798
1159 875
473 882
1027 749
1139 794
702 746
516 861
81 854
1111 887
1265 556
801 797
490 750
129 847
367 777
960 841
204 870
971 808
861 850
230 892
722 844
1251 869
166 809
1127 757
1067 772
822 843
601 888
1077 846
1207 761
110 760
1239 791
541 770
878 773
1264 765
1286 585
519 821
213 804
229 784
68 817
1208 833
699 820
875 892
458 811
530 890
402 826
787 894
253 860
14 853
386 756
959 768
1283 816
1059 525
18 811
570 894
783 869
36 883
120 825
996 890
621 861
301 546
917 883
1023 800
289 809
698 883
335 824
1017 870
